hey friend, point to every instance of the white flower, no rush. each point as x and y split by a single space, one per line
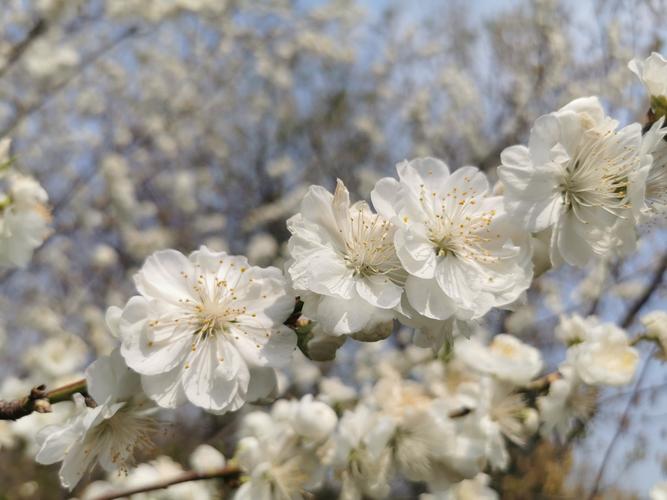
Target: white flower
605 357
506 357
206 459
334 392
204 327
582 178
655 323
343 262
652 72
108 433
453 239
24 222
363 457
497 412
659 491
312 420
653 143
568 399
283 453
58 356
575 329
476 488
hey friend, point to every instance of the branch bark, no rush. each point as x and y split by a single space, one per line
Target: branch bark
40 400
229 474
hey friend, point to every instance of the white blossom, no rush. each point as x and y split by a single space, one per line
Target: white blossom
506 357
652 72
454 239
204 327
363 457
343 262
25 220
108 433
568 399
605 356
580 176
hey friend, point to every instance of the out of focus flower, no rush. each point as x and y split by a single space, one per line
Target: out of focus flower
206 459
568 399
659 491
282 453
363 456
476 488
655 323
108 433
506 357
605 356
24 224
652 72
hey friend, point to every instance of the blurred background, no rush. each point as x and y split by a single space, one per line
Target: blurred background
176 123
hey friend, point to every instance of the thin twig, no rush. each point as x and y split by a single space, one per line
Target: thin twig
646 294
40 400
228 474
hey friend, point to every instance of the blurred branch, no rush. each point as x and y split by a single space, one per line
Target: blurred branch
40 400
18 50
622 424
229 474
26 110
646 294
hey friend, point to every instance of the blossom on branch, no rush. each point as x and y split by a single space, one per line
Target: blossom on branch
207 328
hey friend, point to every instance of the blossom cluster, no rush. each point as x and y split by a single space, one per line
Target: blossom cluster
435 251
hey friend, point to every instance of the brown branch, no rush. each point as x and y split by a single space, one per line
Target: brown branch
229 474
19 49
646 294
40 400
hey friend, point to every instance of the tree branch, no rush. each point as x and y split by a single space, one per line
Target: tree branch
40 400
229 474
646 294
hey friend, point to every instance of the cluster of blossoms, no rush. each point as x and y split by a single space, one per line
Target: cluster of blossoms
24 214
437 251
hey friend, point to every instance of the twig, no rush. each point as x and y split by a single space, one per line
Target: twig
228 474
40 400
646 294
622 422
19 49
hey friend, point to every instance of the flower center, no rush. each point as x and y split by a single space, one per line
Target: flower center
598 175
369 247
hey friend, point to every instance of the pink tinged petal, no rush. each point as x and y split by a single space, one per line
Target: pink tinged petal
415 252
166 275
428 298
166 389
386 197
379 291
